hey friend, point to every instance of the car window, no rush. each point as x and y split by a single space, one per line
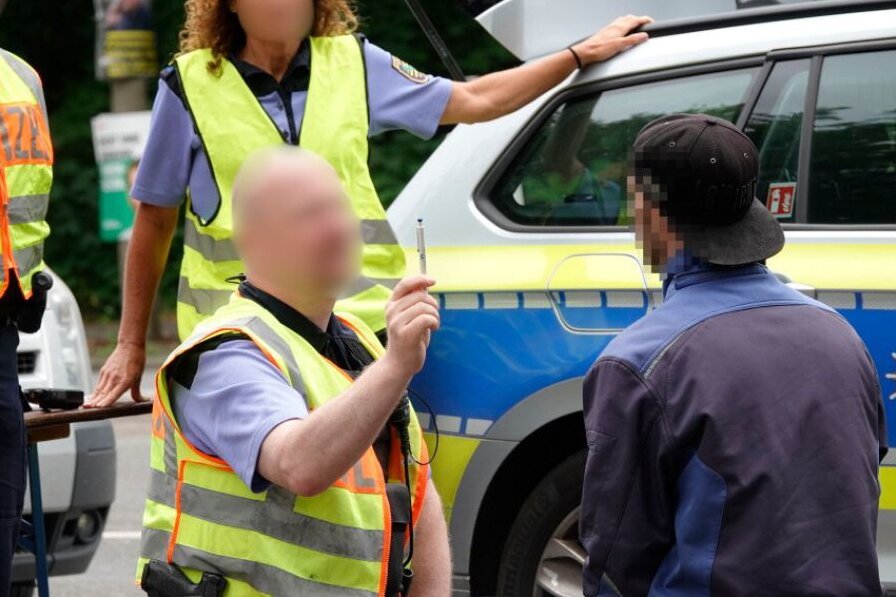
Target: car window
775 127
853 164
572 171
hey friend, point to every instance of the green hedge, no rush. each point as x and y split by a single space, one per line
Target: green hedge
58 39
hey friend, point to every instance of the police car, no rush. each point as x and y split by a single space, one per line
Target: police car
537 272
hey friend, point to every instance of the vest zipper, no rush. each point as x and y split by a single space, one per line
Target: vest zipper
286 98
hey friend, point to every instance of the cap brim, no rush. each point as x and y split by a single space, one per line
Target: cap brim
756 237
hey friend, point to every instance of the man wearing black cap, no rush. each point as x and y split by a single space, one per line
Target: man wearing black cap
734 433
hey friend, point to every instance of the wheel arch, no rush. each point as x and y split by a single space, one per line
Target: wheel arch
506 467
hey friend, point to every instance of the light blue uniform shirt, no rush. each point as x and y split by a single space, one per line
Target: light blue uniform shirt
236 399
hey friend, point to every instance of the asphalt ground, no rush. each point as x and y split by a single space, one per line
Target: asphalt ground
112 570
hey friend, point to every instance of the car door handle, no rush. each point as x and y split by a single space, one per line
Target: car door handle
593 267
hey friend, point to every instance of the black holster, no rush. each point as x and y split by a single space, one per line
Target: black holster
161 579
30 312
398 582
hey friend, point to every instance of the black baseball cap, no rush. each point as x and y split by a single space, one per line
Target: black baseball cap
704 171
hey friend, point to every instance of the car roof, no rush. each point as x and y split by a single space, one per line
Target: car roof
665 52
532 28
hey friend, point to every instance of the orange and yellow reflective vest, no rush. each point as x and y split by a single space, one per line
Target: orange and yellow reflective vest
26 175
200 516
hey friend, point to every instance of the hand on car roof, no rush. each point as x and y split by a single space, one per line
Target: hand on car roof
618 36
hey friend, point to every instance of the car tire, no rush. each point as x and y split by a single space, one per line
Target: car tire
21 589
543 555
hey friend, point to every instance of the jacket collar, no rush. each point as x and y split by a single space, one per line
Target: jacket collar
707 272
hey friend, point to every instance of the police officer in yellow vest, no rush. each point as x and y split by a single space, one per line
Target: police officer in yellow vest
276 460
254 73
26 174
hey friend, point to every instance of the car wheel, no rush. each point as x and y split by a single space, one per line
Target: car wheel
21 589
543 555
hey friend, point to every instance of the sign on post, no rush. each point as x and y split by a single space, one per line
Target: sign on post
125 39
118 142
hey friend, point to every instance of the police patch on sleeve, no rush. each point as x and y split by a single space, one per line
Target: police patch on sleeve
408 72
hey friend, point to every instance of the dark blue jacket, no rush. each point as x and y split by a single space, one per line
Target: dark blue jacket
734 437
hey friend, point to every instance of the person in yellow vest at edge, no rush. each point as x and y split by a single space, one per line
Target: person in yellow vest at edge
255 73
276 460
26 175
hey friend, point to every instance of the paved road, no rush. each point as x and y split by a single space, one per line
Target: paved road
112 570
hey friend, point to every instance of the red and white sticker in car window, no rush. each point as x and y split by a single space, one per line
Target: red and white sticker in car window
780 199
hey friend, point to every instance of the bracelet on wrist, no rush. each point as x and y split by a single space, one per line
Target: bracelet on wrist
575 55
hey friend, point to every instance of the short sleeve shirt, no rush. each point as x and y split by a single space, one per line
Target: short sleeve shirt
399 97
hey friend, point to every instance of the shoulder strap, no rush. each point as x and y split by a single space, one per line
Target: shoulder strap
184 367
29 76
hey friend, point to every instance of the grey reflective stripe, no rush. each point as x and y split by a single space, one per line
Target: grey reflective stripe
170 455
263 577
162 486
28 258
363 284
210 248
273 517
258 327
378 232
270 337
205 300
24 72
25 209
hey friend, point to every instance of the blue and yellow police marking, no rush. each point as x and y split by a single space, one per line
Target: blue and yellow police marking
502 338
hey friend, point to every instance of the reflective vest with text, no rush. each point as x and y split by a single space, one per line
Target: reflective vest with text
26 172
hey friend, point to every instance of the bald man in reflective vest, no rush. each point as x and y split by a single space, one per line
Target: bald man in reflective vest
277 464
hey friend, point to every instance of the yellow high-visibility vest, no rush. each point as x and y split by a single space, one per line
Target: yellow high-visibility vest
232 125
26 175
200 516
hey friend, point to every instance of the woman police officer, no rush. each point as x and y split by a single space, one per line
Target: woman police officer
252 73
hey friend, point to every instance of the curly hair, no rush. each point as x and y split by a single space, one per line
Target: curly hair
211 24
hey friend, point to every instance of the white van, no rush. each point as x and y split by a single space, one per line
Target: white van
78 472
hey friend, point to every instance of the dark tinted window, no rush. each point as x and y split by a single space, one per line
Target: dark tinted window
775 126
853 167
572 171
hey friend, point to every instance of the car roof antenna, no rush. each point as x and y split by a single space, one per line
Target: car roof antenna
436 40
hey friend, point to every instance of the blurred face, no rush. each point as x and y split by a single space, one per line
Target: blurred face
304 232
275 21
653 231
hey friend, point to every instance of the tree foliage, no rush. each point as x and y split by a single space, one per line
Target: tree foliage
57 38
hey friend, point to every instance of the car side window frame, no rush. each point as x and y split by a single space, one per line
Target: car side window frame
482 194
816 54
